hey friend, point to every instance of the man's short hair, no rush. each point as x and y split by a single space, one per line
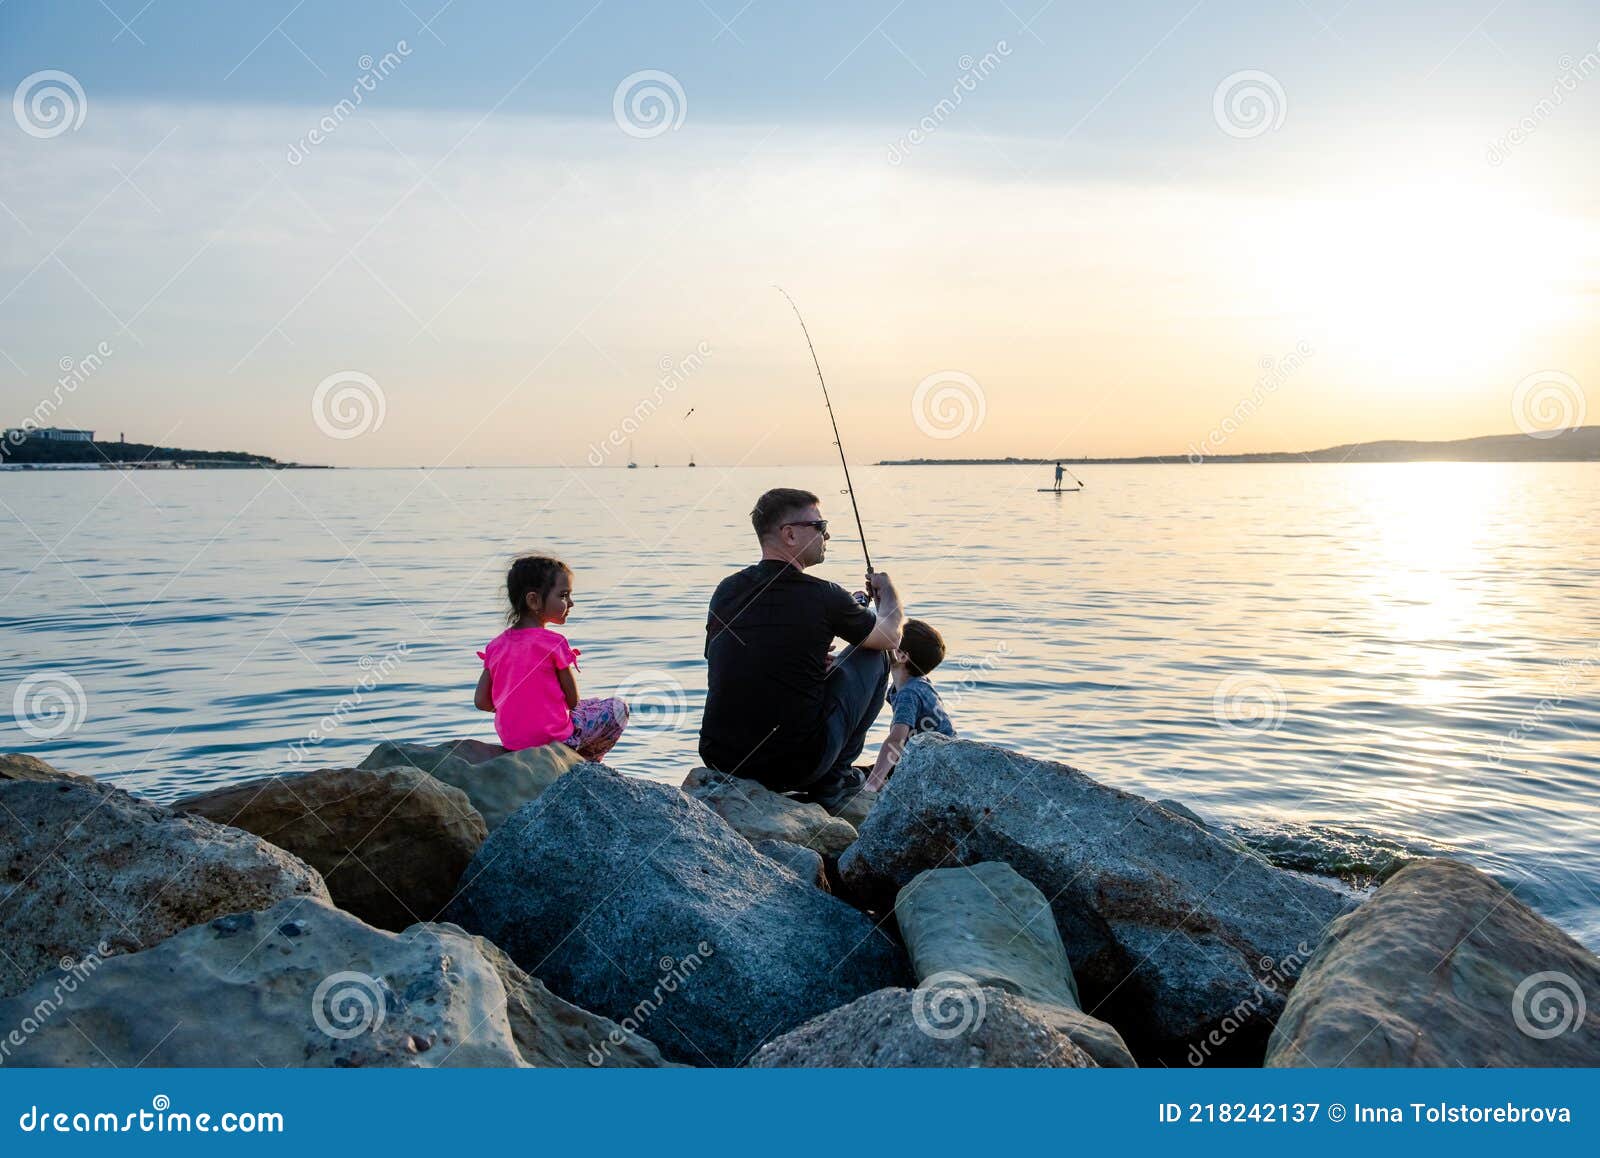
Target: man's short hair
924 647
777 505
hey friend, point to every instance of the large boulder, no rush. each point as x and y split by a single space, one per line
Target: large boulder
1443 967
1171 931
758 813
927 1028
640 903
390 843
989 927
86 869
497 782
301 984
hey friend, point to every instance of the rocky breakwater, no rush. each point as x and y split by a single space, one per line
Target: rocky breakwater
1175 936
632 899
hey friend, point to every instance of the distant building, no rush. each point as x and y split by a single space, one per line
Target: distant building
51 434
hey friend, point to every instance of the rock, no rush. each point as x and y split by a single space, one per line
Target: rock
990 927
856 808
21 766
1443 967
758 813
391 843
805 863
301 984
1170 930
636 901
1177 808
552 1032
498 785
87 869
926 1028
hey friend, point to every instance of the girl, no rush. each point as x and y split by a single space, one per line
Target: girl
527 679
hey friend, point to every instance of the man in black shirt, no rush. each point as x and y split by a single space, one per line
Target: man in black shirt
779 709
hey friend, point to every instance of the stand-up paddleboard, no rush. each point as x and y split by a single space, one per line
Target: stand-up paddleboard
1062 491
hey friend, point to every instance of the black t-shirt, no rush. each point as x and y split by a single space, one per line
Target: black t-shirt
767 637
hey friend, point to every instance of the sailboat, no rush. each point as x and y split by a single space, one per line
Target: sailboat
632 465
691 458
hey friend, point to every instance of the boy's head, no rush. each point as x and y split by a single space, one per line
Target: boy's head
921 646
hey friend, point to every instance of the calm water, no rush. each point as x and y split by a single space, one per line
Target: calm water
1342 662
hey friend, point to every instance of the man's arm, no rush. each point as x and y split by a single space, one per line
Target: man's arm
886 633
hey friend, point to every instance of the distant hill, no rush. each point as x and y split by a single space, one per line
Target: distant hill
37 451
1579 445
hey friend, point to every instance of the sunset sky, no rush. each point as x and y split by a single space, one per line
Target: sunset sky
1127 219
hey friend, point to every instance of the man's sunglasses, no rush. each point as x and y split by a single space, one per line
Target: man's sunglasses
819 525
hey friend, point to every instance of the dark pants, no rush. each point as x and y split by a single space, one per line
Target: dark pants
853 694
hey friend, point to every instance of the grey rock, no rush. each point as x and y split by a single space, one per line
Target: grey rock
391 843
497 784
637 902
1443 967
758 813
552 1032
985 923
951 1027
1169 930
301 984
805 863
87 869
857 808
21 766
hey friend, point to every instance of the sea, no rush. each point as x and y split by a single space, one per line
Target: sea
1345 665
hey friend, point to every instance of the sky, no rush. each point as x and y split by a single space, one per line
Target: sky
548 234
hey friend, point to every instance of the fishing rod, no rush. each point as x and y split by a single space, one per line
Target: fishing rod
849 488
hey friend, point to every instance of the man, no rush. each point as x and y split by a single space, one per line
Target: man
779 709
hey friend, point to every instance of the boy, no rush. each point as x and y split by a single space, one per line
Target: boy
917 707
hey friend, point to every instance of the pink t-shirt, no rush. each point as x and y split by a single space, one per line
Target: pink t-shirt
530 708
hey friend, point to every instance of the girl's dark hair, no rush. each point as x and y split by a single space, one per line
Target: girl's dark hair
924 647
531 575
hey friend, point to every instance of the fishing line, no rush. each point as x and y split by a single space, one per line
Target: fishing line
849 488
